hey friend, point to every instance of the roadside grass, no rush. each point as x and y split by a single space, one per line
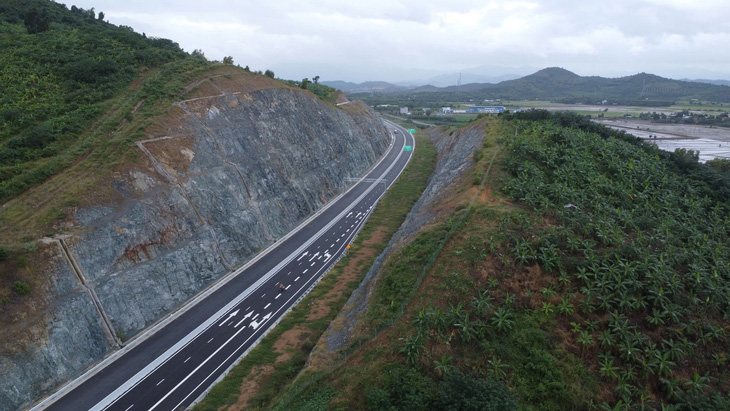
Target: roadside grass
386 218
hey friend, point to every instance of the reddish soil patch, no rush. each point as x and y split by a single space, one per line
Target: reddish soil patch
351 272
288 341
250 386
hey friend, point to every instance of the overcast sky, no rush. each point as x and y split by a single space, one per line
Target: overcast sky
397 40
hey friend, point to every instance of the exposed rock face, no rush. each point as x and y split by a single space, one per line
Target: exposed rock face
455 155
233 173
64 336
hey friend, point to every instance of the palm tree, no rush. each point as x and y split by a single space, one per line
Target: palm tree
565 307
498 370
482 303
412 347
501 318
661 364
443 366
608 370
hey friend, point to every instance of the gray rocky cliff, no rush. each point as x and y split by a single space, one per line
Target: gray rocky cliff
232 173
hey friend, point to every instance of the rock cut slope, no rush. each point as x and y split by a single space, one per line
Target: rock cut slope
236 163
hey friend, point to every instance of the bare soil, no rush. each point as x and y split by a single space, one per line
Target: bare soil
250 385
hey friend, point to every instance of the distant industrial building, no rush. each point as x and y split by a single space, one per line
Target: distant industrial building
487 109
404 110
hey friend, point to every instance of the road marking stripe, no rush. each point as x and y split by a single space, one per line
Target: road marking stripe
267 306
160 382
296 278
187 360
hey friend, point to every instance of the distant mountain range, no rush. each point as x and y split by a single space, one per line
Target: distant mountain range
556 83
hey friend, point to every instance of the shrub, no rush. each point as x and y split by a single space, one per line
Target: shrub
21 287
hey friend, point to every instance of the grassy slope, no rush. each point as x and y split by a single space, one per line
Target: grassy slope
60 83
623 301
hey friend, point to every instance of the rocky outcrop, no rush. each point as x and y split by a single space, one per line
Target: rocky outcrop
226 174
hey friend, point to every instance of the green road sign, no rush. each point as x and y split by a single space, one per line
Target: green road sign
409 148
411 130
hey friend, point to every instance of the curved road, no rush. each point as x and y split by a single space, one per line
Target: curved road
171 367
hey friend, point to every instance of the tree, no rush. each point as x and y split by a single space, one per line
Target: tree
304 83
101 16
227 60
37 21
198 54
315 79
269 73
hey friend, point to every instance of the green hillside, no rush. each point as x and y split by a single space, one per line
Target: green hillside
574 268
60 72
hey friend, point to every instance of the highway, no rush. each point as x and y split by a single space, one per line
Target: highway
173 366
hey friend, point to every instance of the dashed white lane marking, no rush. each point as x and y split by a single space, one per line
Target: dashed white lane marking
129 408
277 296
312 265
160 382
264 295
288 273
348 230
305 271
188 359
337 241
343 234
296 278
254 317
210 340
267 306
287 287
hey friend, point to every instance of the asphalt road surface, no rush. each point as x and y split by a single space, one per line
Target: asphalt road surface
172 367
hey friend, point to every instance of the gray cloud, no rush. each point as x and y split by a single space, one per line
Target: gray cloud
409 39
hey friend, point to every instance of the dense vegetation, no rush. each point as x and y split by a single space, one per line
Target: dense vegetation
605 285
58 68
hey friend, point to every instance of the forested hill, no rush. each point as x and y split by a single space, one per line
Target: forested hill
560 85
59 68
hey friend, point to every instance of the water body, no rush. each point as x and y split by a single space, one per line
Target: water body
710 142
